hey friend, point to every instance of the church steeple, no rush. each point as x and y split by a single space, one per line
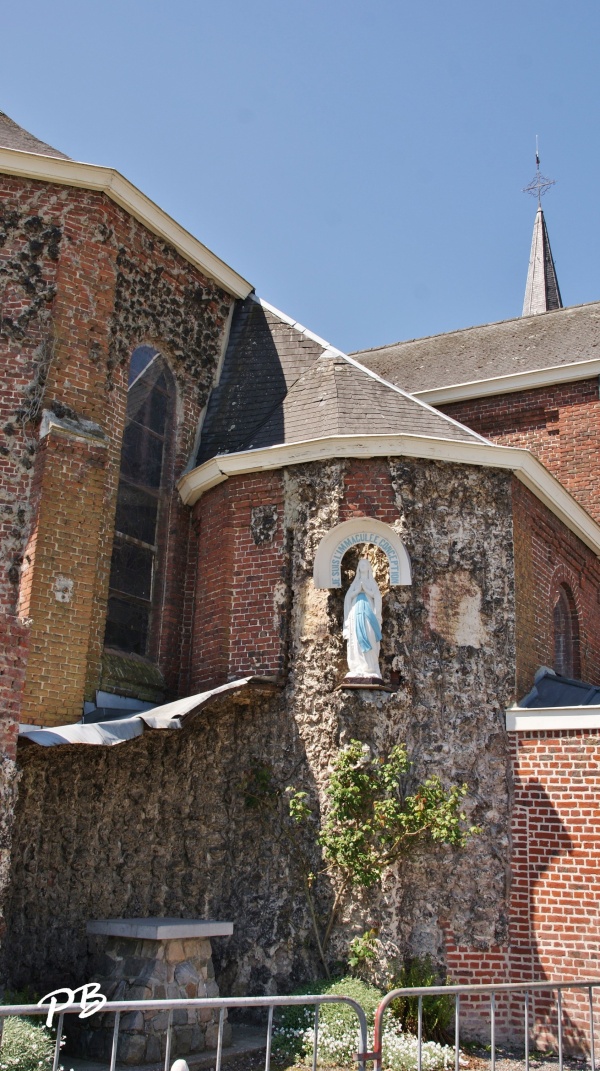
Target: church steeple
542 292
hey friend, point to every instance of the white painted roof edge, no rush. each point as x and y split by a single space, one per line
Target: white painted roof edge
552 719
514 381
109 181
333 351
193 484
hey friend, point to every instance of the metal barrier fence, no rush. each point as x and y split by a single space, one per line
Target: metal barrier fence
519 995
220 1003
513 989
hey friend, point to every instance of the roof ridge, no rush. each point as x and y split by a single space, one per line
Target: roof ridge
333 351
472 327
415 400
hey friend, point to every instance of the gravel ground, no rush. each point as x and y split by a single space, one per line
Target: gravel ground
476 1060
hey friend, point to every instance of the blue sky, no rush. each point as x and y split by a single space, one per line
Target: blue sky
359 161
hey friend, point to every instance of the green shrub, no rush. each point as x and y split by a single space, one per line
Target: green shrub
26 1045
293 1035
437 1010
338 1031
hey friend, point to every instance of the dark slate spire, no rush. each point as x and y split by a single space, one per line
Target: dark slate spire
13 136
542 291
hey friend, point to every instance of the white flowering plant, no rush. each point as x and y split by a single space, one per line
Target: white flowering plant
26 1045
294 1034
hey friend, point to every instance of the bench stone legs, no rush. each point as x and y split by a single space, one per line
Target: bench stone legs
134 969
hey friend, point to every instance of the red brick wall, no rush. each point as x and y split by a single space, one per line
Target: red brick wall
554 905
368 491
239 619
64 543
82 284
548 555
560 424
240 613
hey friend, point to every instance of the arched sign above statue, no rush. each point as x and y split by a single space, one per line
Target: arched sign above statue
327 571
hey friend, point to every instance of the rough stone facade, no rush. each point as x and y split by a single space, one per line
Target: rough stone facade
83 283
159 825
78 850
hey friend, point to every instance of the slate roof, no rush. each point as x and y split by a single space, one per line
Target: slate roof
13 136
552 690
563 336
281 384
542 292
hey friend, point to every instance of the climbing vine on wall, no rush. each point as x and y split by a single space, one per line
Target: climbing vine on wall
373 817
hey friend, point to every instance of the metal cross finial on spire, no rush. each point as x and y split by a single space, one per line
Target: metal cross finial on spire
538 185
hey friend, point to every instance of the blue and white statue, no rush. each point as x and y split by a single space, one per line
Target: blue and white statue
362 623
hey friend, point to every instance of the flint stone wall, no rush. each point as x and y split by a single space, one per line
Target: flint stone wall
158 826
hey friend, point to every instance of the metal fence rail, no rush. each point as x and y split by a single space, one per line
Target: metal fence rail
514 988
220 1003
523 994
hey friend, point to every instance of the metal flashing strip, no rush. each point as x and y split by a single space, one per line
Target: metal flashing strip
552 719
109 181
192 485
516 381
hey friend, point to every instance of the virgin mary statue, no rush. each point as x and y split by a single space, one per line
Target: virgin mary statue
362 623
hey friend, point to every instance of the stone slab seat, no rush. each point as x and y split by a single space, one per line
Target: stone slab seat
160 929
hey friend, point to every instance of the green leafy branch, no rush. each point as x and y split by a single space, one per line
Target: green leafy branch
371 821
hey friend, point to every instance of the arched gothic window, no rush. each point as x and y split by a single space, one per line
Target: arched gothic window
565 635
144 462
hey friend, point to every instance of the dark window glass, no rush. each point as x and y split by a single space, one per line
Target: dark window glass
137 512
127 626
138 502
140 359
149 407
131 569
158 408
141 457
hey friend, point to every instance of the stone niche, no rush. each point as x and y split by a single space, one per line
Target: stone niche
154 959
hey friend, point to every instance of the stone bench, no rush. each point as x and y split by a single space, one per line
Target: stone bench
154 959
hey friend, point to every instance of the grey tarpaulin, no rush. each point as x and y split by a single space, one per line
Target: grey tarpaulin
169 716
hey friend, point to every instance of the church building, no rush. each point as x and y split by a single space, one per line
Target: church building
190 479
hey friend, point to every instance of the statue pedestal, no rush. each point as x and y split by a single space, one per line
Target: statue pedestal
350 681
375 684
154 959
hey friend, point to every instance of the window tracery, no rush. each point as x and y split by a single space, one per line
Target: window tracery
566 634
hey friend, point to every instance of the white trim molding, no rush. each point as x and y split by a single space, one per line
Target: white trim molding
516 381
552 719
126 195
333 546
525 466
